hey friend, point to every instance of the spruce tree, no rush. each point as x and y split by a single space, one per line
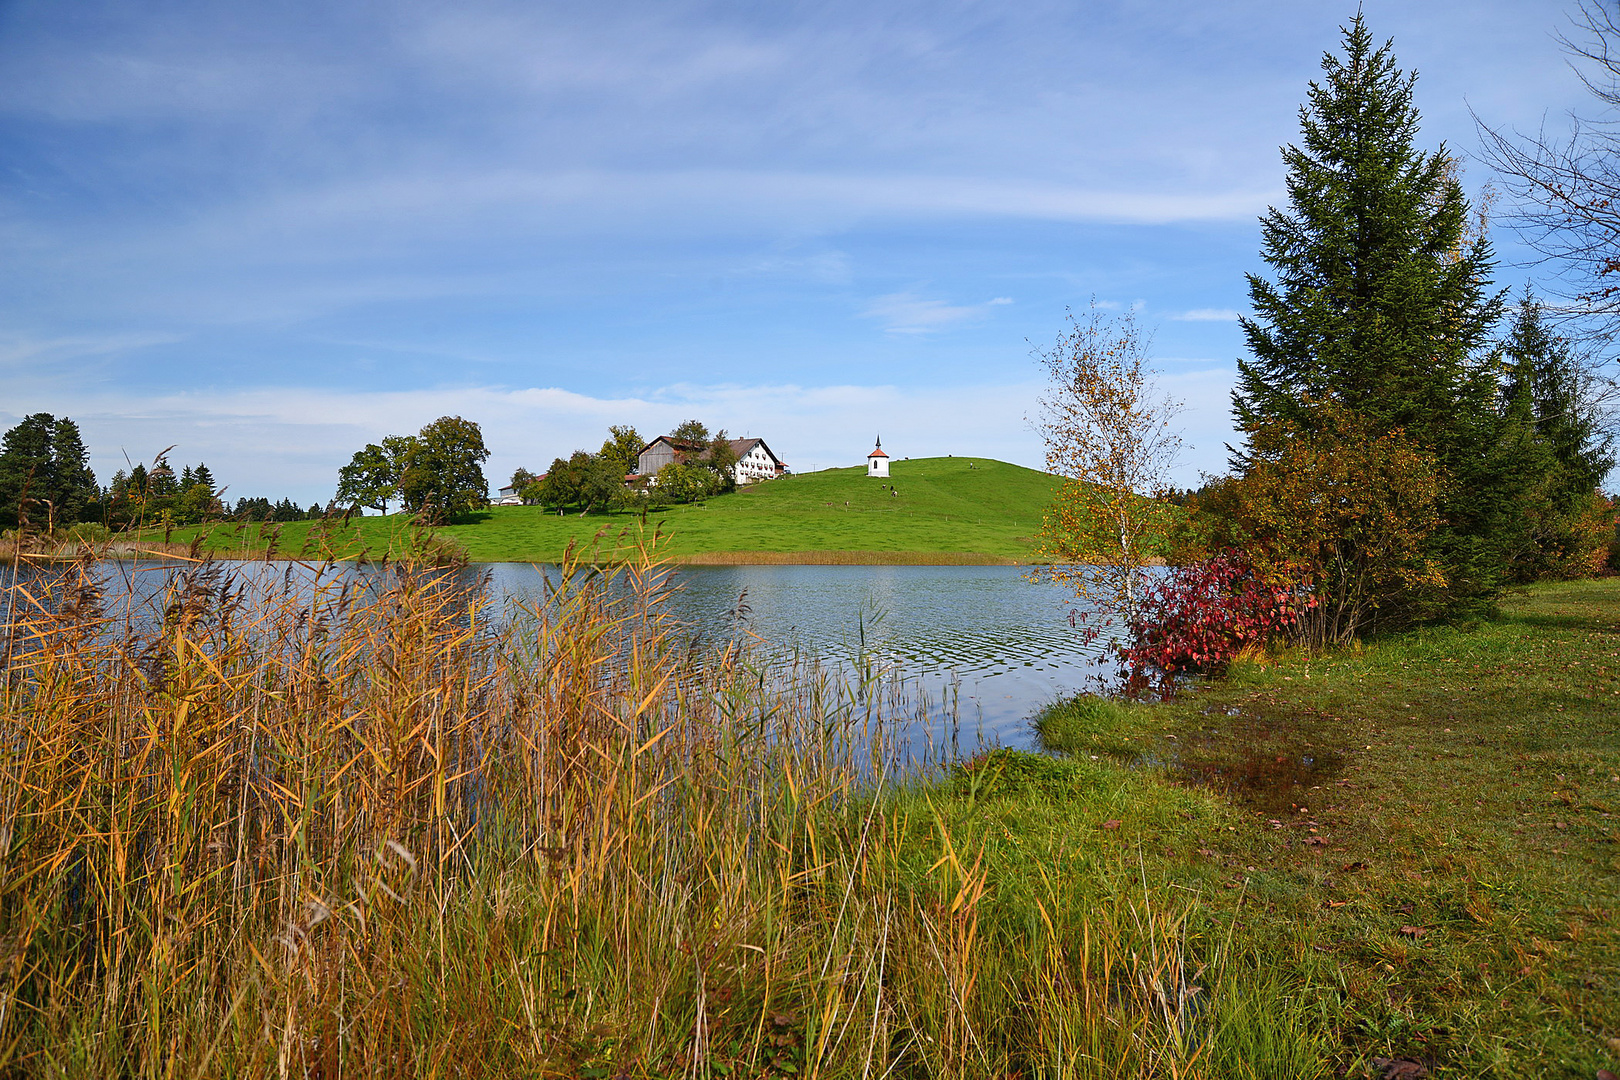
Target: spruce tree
45 474
26 476
1556 446
1381 301
76 491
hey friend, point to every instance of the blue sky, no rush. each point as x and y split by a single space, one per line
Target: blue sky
270 233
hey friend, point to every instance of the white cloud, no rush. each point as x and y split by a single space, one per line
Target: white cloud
1205 420
908 313
291 442
1207 315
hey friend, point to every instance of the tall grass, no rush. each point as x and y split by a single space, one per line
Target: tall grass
350 826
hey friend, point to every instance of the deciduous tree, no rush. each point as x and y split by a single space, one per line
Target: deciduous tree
684 481
1109 432
441 470
371 478
1342 508
691 431
585 480
621 447
1567 187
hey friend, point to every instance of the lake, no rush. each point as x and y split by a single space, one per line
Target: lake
1001 645
983 637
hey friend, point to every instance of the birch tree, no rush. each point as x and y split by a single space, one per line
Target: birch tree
1110 434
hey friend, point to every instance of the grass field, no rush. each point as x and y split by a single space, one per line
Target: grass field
1424 830
931 510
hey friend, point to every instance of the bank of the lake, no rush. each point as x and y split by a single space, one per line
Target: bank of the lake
931 511
1423 832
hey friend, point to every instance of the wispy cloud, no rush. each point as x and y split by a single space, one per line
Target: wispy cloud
1205 314
908 313
21 350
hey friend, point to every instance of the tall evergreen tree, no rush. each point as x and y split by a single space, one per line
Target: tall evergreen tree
1557 447
25 470
77 493
45 474
1381 300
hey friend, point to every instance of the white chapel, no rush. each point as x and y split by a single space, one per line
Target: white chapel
877 462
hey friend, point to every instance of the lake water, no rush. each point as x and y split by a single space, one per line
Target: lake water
981 637
999 645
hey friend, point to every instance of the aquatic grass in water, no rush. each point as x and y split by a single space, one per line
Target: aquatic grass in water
282 828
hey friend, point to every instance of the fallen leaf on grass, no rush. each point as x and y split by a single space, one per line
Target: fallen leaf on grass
1414 932
1317 841
1605 1074
1337 903
1352 867
1111 824
1400 1068
1206 852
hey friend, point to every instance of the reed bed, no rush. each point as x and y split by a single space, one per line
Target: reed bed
332 825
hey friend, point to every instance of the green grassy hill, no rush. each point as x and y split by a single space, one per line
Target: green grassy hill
941 510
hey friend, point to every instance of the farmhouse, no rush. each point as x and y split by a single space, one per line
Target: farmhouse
755 461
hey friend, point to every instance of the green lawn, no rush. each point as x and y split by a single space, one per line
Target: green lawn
1420 833
944 509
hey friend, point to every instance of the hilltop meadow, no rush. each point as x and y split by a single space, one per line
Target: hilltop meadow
931 510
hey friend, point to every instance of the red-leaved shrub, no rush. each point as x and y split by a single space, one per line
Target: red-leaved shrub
1198 617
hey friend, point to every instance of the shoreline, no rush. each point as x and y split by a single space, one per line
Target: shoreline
158 550
846 558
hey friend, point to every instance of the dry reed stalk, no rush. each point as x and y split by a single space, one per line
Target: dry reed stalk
310 822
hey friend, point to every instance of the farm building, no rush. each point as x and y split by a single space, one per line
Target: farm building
755 461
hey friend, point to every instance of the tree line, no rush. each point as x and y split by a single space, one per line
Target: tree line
1412 439
46 484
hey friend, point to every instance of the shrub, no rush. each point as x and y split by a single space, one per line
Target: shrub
1343 509
1202 615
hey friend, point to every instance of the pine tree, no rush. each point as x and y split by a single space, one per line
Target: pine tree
1381 300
